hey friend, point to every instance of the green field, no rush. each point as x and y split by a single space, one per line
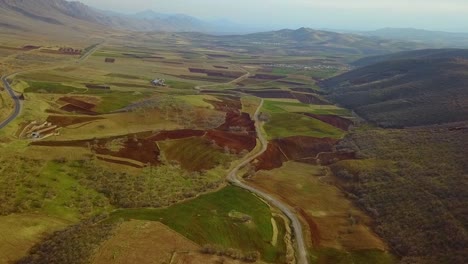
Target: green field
291 105
290 124
49 87
206 220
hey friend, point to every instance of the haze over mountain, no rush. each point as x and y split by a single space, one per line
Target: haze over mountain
436 38
415 88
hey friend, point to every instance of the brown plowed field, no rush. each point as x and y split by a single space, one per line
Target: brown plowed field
141 150
235 119
307 98
329 158
233 141
336 121
121 162
76 109
176 134
65 121
77 102
138 149
272 158
301 147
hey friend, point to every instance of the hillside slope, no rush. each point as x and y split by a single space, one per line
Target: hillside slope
438 39
406 89
59 16
306 41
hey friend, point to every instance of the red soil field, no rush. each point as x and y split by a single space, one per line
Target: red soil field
336 121
175 134
121 162
272 158
76 109
301 147
236 120
141 150
65 121
138 149
233 141
77 102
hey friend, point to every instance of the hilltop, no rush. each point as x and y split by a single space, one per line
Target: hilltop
416 88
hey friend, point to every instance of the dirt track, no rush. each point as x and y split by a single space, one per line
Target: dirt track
301 251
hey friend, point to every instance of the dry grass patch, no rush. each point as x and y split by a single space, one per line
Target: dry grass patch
333 221
143 242
19 232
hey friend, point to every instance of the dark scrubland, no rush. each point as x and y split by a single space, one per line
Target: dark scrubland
74 245
413 182
404 90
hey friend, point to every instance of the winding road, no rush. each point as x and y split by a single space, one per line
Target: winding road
16 101
301 250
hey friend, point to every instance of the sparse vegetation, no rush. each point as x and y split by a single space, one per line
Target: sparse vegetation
152 187
413 182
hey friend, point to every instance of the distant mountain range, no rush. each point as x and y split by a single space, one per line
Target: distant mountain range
434 38
63 19
415 88
40 15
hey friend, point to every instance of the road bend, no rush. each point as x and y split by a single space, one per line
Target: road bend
16 101
300 246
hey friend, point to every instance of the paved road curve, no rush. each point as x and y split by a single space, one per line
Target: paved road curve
301 251
15 98
16 101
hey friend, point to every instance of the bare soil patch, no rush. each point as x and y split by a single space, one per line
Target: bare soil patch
77 102
272 158
336 121
76 109
307 98
233 141
143 242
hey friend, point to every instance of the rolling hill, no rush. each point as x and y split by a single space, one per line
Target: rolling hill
74 18
424 87
438 39
64 19
308 42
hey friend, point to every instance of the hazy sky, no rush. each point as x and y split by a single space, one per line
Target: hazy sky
448 15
